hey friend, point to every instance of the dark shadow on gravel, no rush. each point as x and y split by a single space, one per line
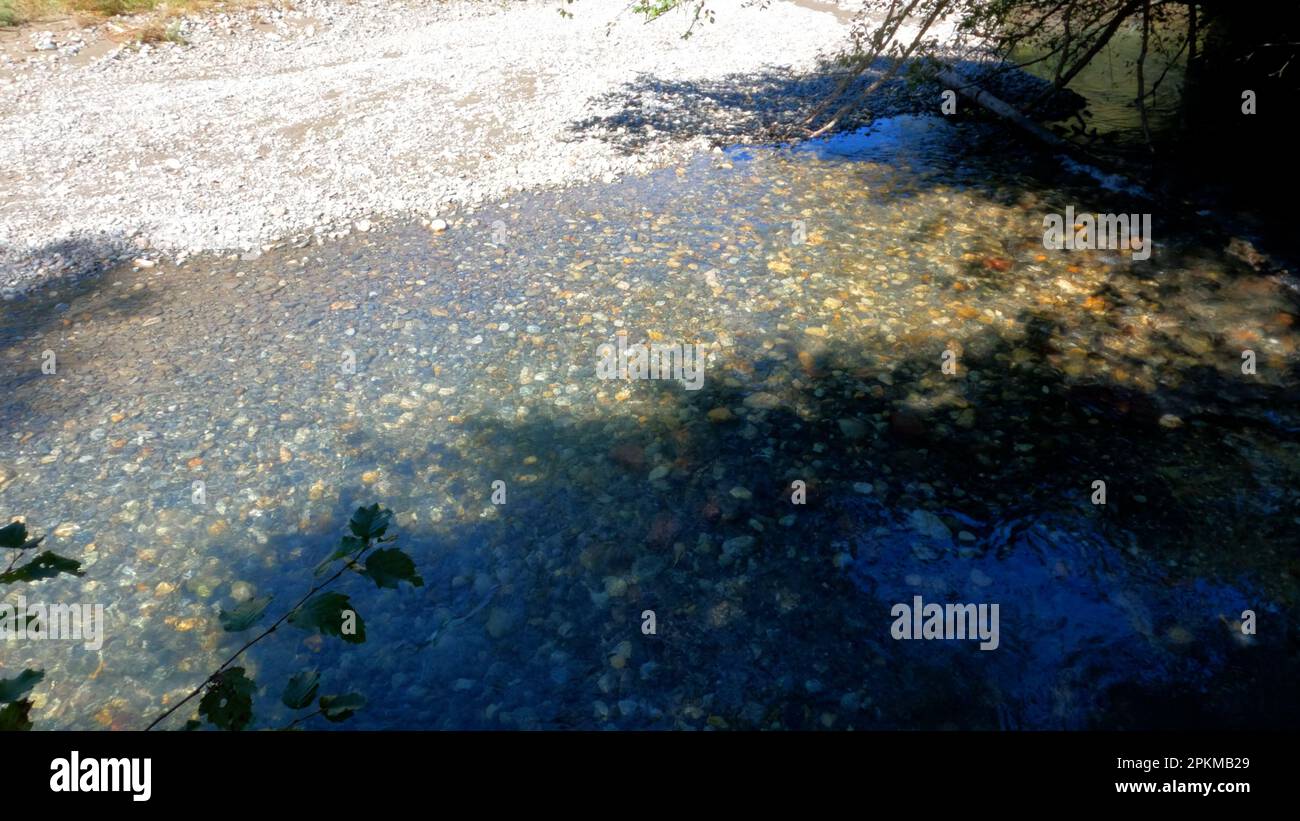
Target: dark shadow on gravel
43 320
772 105
62 263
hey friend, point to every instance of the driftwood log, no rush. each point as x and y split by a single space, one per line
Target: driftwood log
987 101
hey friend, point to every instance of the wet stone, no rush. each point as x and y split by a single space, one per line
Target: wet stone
414 365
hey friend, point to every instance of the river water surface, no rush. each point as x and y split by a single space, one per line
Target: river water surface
415 368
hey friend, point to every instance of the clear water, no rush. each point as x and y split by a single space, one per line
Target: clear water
475 357
1109 83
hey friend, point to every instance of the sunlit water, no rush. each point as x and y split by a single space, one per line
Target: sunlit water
475 360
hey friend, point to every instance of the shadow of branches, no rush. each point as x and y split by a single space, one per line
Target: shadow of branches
772 105
774 614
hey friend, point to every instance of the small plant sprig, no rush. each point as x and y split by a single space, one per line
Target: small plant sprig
46 565
227 694
15 707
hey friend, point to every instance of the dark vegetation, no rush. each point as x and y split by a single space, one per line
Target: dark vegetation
226 695
1215 155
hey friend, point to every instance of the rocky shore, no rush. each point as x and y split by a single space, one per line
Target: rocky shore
325 117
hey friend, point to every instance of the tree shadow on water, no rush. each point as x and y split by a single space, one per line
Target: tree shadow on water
39 328
968 487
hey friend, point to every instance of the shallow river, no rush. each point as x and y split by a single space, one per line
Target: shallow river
828 286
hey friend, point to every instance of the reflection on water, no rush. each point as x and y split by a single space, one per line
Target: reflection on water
475 353
1109 83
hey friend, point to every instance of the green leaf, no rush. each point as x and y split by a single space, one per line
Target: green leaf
301 690
370 522
389 567
14 716
326 613
245 615
12 689
341 708
45 566
192 725
348 546
228 704
13 535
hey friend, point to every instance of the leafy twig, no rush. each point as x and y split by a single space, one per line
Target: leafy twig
228 701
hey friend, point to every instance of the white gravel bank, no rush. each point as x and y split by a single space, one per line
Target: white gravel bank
280 121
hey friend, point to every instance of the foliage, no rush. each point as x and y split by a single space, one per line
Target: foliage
17 12
151 15
46 565
1065 36
341 708
245 615
13 534
15 707
228 693
157 32
14 716
12 689
654 9
332 615
228 703
301 690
